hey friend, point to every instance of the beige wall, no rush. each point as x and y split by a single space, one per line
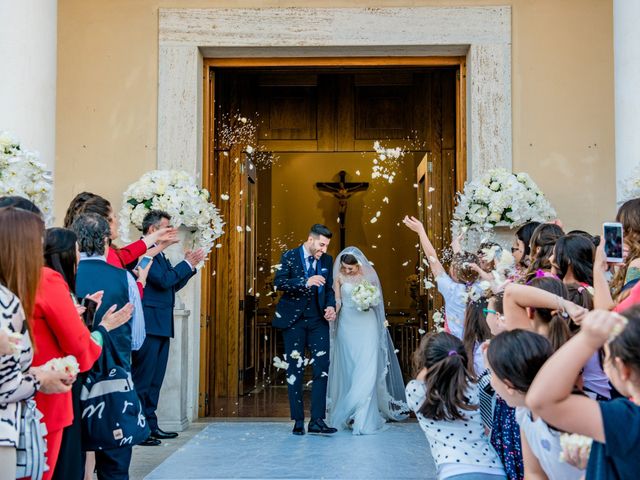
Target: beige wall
562 96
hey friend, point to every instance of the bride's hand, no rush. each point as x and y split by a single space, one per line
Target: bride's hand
330 314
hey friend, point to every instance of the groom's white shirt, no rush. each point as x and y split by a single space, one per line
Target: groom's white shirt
306 259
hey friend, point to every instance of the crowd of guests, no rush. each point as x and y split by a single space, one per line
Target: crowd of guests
66 292
536 374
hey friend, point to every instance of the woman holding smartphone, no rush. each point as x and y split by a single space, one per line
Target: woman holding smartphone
60 331
628 272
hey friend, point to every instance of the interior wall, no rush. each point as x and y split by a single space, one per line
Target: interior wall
297 204
562 90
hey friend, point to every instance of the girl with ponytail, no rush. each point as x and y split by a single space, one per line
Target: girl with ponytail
444 397
542 307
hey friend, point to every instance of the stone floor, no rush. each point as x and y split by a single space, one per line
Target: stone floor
266 449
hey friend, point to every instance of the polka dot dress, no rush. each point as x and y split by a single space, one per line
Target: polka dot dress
505 438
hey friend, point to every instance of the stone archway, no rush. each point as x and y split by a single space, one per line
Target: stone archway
187 36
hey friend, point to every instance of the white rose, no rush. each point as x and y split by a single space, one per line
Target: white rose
483 212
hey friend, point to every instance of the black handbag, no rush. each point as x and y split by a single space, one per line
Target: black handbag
112 415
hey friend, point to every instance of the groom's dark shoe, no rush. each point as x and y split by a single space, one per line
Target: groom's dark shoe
318 426
298 427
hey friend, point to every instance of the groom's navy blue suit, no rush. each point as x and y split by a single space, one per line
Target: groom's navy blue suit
300 315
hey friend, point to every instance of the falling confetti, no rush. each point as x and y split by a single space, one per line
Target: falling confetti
431 189
218 245
291 379
280 364
374 219
224 196
239 228
421 331
405 263
385 199
358 172
321 353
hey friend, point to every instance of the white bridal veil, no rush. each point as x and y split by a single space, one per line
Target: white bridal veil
390 384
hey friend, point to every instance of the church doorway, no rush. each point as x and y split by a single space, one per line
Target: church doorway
289 143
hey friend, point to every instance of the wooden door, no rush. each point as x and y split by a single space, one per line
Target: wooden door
249 304
234 271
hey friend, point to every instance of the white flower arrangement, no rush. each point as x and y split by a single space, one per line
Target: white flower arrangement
365 295
176 193
500 198
22 173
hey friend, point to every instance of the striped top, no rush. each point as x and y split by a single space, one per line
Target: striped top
16 383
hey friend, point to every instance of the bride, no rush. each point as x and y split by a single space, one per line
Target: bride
365 382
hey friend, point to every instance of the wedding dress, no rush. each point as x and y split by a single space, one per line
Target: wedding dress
365 387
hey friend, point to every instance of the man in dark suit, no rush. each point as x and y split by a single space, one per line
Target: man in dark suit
150 362
119 287
308 302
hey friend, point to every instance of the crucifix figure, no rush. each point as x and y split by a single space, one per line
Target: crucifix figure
342 191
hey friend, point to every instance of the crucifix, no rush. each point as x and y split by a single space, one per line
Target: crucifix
342 191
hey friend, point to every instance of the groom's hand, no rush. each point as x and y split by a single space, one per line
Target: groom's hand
330 314
316 281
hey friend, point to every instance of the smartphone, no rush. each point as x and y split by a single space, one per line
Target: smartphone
612 237
90 311
144 261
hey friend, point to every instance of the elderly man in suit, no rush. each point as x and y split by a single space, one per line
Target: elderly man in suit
150 362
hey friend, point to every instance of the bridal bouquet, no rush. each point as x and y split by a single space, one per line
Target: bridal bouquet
365 295
500 199
22 173
176 193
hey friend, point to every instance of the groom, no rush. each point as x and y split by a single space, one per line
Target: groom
308 303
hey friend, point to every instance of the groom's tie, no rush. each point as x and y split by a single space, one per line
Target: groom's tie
310 271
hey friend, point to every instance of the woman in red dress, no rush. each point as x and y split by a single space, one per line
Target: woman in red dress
60 331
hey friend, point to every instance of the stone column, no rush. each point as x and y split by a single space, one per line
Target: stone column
28 56
626 46
173 411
